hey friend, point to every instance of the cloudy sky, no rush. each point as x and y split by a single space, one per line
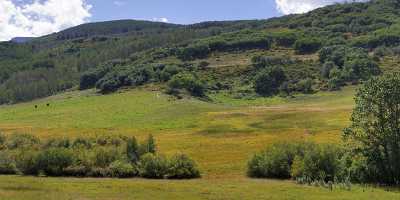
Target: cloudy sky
40 17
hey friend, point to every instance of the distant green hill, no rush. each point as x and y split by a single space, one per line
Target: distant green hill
320 50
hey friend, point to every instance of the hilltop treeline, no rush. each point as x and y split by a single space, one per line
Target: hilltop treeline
123 53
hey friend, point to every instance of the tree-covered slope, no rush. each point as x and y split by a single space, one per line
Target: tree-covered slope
320 50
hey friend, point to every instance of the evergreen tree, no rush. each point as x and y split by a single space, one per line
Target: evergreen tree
132 150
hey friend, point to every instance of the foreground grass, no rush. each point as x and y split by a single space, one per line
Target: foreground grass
16 188
220 135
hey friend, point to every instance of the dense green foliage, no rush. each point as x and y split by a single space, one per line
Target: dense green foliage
126 53
305 162
104 156
269 80
374 132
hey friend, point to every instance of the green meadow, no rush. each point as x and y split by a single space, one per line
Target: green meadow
221 135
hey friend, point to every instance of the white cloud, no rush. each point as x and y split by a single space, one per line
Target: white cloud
161 19
40 17
302 6
119 3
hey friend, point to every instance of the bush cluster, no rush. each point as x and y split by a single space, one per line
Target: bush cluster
300 161
343 64
103 156
188 82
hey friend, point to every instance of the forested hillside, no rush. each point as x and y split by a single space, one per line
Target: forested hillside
321 50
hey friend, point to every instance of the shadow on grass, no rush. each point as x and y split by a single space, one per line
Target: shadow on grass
224 130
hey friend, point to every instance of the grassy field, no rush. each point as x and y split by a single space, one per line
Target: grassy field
220 135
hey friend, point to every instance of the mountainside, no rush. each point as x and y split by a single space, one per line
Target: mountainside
320 50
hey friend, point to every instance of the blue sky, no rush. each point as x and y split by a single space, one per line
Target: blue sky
183 11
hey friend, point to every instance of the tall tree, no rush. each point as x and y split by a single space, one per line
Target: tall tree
375 129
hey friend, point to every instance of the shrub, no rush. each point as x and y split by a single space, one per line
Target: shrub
306 161
53 161
89 79
268 81
326 69
305 86
182 167
335 54
307 45
285 39
192 52
132 150
274 162
2 138
58 143
103 156
382 51
76 171
26 161
260 62
137 75
122 169
188 82
99 172
168 72
7 164
82 143
153 166
335 79
148 146
109 83
321 162
2 141
18 141
361 68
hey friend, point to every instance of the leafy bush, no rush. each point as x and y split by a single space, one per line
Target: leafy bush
122 169
2 141
76 171
182 167
197 51
153 166
268 81
335 79
17 141
82 143
104 156
53 161
307 45
260 62
7 164
188 82
305 161
335 54
132 150
326 69
109 83
305 86
58 143
100 172
169 71
89 79
361 68
26 161
274 162
320 162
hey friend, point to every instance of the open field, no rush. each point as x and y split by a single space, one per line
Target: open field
220 136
